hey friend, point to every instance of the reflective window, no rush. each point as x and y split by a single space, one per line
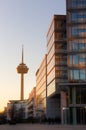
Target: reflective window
78 17
40 89
77 31
75 59
81 46
71 74
81 95
70 45
51 88
81 3
51 64
82 59
82 74
41 78
76 74
44 103
75 46
73 16
70 59
51 30
76 3
74 31
43 94
50 54
50 43
51 76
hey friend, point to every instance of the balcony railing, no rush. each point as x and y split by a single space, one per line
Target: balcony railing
76 81
79 66
61 51
61 40
76 8
61 63
76 51
58 68
76 22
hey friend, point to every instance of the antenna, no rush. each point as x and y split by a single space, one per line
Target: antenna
22 54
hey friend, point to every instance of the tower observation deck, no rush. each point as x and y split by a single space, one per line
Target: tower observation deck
22 69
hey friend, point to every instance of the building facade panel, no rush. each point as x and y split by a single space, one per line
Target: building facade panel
41 88
76 43
56 64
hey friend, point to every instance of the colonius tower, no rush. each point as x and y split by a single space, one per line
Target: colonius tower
76 43
22 69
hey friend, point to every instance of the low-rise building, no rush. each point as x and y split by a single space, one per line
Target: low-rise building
16 109
31 104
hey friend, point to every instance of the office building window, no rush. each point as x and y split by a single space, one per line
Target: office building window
76 74
82 74
77 31
70 57
75 59
81 46
71 74
51 88
82 59
75 46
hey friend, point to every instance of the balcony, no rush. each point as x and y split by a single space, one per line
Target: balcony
61 63
76 8
76 82
76 51
79 66
62 77
77 22
61 40
59 68
61 51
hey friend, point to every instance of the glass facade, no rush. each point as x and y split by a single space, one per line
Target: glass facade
75 4
51 88
76 43
80 95
56 64
76 30
41 88
56 54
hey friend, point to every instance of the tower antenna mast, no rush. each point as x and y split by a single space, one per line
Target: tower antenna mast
22 69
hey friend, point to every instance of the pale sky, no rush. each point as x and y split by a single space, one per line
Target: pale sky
23 22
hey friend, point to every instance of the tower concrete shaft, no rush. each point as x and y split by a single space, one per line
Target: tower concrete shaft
22 87
22 69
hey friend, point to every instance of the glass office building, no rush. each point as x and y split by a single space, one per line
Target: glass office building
56 65
41 82
76 44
